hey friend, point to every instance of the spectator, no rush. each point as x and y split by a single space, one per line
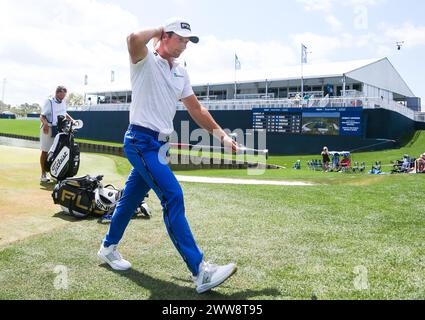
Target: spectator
346 163
420 164
336 163
326 159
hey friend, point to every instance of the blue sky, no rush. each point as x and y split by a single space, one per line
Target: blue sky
88 37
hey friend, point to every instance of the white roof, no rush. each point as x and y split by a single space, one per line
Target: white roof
382 74
376 72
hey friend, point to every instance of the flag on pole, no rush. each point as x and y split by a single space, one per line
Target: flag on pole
86 80
303 54
112 76
237 63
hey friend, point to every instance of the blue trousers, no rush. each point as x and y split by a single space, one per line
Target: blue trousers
150 171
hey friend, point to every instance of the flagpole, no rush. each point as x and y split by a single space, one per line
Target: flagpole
112 80
86 82
235 79
237 67
3 90
235 85
302 71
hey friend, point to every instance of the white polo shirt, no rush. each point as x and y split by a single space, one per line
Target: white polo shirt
156 89
52 109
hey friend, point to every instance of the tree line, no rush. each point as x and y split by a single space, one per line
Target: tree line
73 99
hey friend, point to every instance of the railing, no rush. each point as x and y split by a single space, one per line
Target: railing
313 94
284 103
238 104
101 107
376 103
420 117
250 96
353 93
202 98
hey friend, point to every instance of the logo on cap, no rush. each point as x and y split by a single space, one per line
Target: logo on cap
185 25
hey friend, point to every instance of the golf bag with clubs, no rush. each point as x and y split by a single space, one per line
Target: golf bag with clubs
85 196
63 159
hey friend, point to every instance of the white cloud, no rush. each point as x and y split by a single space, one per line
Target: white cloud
320 5
327 8
334 22
43 45
411 34
213 59
330 5
325 48
379 42
367 2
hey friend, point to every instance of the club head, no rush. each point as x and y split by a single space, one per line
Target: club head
77 124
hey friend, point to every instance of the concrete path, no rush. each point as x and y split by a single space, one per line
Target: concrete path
240 181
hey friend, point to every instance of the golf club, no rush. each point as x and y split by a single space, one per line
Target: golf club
242 149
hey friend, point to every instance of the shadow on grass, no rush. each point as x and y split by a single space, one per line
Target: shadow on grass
47 186
67 217
164 290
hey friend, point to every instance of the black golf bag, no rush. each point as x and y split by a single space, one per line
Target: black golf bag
85 196
63 159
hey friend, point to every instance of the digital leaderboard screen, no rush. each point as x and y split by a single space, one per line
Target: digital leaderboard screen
309 121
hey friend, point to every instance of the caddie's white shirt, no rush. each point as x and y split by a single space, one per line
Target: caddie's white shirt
52 109
156 89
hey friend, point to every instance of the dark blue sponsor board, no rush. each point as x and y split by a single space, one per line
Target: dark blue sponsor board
309 121
351 122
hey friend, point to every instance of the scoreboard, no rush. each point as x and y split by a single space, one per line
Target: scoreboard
309 121
277 120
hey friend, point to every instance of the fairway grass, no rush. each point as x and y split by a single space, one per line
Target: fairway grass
348 237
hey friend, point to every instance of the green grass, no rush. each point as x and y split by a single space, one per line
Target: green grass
288 242
31 128
416 147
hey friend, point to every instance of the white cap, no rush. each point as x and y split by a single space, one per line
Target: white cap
182 28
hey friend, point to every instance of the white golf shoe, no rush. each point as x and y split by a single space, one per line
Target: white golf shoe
112 257
44 178
212 275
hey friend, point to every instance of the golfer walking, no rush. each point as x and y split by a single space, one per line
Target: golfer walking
158 83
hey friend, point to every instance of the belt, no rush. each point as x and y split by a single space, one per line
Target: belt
149 132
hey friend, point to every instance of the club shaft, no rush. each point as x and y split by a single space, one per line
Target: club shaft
221 148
